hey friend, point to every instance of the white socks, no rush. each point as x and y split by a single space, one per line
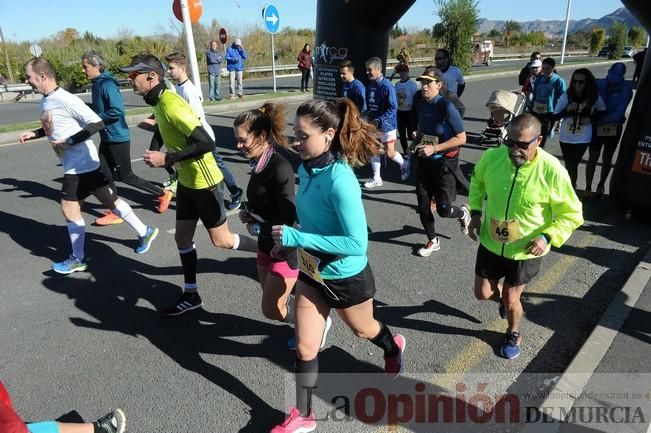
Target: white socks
124 211
397 158
376 164
77 233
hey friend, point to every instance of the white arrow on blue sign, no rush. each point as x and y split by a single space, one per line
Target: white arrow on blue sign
271 19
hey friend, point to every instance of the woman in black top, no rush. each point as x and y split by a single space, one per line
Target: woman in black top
270 201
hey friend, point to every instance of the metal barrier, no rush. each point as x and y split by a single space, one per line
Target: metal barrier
21 89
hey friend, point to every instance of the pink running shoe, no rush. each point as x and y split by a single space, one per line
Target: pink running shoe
393 365
295 423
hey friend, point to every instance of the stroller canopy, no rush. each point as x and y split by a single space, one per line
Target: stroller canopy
504 99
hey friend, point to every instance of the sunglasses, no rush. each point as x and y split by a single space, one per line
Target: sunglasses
521 144
133 74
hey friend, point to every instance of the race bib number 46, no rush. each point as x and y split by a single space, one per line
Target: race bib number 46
505 231
309 265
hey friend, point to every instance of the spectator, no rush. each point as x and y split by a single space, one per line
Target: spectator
235 56
535 70
617 93
351 87
453 76
547 89
526 71
638 57
403 58
214 61
305 65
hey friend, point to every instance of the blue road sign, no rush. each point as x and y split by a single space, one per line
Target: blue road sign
271 19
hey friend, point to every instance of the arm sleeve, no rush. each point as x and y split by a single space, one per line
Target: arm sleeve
243 53
199 143
156 140
460 89
229 55
477 186
619 113
112 100
285 210
360 97
567 211
350 212
559 108
391 105
86 132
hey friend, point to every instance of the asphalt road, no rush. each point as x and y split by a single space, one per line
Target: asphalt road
27 109
92 341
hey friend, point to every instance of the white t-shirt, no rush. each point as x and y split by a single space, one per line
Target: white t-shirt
579 129
405 94
189 92
453 77
63 115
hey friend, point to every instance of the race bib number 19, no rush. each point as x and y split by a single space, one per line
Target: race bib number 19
505 231
540 108
607 130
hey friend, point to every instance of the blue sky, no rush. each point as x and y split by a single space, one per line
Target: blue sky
37 19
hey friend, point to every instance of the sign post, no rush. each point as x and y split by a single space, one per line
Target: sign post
189 40
271 18
35 50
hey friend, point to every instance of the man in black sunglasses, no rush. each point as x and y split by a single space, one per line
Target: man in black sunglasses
528 203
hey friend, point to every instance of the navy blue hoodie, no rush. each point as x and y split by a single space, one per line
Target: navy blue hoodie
107 103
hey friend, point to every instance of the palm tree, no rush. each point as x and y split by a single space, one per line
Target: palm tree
510 28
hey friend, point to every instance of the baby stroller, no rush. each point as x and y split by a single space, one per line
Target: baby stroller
503 106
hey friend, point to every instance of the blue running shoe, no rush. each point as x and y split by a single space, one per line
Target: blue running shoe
291 343
144 242
70 265
511 348
236 200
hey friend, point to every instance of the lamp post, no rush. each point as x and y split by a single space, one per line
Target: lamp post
567 24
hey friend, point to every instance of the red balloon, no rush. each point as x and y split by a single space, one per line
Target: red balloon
194 7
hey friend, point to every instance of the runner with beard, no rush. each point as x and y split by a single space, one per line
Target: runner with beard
528 204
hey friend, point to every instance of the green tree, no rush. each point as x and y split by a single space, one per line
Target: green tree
510 29
458 24
597 40
618 39
396 32
637 36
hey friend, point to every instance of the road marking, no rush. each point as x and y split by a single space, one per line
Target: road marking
475 351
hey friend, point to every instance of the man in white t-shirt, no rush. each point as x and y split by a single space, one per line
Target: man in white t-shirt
178 71
406 88
453 75
69 123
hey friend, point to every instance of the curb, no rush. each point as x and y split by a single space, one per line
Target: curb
578 373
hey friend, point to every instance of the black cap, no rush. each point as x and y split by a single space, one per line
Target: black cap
145 62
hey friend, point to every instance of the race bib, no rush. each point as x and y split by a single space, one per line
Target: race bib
505 231
540 108
429 140
576 128
309 265
607 130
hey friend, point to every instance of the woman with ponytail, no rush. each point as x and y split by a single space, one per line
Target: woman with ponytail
331 139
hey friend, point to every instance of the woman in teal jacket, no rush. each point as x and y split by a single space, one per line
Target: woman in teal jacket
331 243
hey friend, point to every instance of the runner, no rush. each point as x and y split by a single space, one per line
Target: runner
69 123
436 148
351 87
382 113
528 204
547 88
199 193
405 91
115 143
178 70
331 138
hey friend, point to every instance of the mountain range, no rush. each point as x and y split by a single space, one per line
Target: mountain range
557 27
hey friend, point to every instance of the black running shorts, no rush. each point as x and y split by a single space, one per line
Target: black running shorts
77 187
345 292
206 204
515 272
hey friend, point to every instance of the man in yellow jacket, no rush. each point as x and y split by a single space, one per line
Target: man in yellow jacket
527 203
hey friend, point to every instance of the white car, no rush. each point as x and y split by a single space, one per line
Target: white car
628 52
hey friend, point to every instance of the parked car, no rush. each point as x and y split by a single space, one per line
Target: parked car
604 52
628 52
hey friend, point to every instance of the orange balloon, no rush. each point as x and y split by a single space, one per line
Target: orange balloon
194 7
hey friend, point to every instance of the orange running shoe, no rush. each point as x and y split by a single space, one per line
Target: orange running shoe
164 200
108 219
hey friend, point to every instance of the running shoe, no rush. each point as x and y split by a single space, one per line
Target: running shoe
511 347
164 200
393 365
70 265
373 183
291 343
108 219
171 180
429 248
187 302
236 200
464 221
404 169
144 242
295 423
114 422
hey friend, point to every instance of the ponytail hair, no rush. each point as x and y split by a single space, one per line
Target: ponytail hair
270 118
354 137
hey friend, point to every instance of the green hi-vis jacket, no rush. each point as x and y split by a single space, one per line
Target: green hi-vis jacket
537 198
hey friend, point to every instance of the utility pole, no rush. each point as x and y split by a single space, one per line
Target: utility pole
4 48
567 24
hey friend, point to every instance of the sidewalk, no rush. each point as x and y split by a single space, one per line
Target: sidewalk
610 367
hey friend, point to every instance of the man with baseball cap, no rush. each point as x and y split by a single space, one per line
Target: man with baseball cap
199 192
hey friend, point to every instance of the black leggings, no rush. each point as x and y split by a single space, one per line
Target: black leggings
405 128
572 154
115 164
305 78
